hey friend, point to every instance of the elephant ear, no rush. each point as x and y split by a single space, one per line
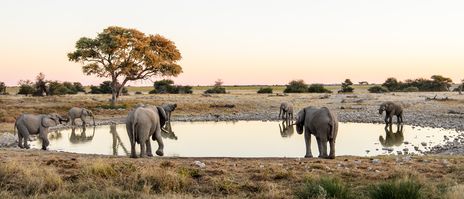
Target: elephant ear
162 116
300 117
48 121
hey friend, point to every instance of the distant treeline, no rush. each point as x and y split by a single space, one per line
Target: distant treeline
435 83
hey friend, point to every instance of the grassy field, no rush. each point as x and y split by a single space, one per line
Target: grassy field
64 175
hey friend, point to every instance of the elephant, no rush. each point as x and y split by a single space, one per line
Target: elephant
286 111
82 137
392 139
286 129
168 108
32 124
143 122
322 123
391 109
82 113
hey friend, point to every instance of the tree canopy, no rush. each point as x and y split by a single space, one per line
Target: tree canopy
125 54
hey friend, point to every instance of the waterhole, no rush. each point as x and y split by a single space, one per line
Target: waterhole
250 139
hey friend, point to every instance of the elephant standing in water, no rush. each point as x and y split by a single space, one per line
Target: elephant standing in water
391 138
286 129
30 124
391 109
323 124
143 122
82 113
286 111
168 109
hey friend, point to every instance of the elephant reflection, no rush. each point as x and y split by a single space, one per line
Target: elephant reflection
286 129
117 141
167 132
55 135
392 138
82 137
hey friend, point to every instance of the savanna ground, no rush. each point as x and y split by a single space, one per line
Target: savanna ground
34 173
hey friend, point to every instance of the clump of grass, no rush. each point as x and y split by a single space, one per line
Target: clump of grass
167 164
323 188
108 106
282 175
158 180
100 169
28 181
455 192
399 189
225 186
190 172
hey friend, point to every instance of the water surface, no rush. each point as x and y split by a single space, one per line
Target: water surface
249 139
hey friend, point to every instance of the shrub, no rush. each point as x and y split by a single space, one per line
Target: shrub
296 86
410 89
2 88
138 93
105 88
26 87
401 189
216 89
346 86
318 88
56 88
377 89
166 86
323 188
435 83
265 90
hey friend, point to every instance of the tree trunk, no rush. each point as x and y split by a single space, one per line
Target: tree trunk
113 97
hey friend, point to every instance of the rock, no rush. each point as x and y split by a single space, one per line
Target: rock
399 152
405 149
424 143
375 161
7 140
199 164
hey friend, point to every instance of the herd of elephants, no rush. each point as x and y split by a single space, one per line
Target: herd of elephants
145 121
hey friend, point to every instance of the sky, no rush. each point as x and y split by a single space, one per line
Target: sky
246 42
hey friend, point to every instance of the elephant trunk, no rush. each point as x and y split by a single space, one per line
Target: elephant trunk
93 118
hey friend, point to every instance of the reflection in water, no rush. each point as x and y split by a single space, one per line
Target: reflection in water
167 132
82 137
117 140
286 129
56 135
392 138
250 139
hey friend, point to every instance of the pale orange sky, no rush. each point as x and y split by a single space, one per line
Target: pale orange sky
246 42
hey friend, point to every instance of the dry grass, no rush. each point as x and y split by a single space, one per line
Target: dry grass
64 175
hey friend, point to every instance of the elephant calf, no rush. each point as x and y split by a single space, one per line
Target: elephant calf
286 111
168 108
30 124
323 124
81 113
391 109
143 122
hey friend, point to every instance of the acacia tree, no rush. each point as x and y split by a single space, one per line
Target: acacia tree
124 54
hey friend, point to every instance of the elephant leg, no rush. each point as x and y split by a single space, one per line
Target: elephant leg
280 113
45 141
319 147
324 147
386 119
149 153
160 142
83 120
20 140
142 149
24 134
308 144
26 138
332 149
133 155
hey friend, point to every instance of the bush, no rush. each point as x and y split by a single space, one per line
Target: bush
2 88
105 88
323 188
346 86
410 89
401 189
165 86
296 86
318 88
435 83
216 89
377 89
138 93
26 87
265 90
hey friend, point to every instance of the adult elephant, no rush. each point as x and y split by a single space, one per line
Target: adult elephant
31 124
81 113
322 123
286 111
391 109
143 122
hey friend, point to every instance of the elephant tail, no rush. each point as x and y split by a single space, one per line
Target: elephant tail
333 124
134 122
